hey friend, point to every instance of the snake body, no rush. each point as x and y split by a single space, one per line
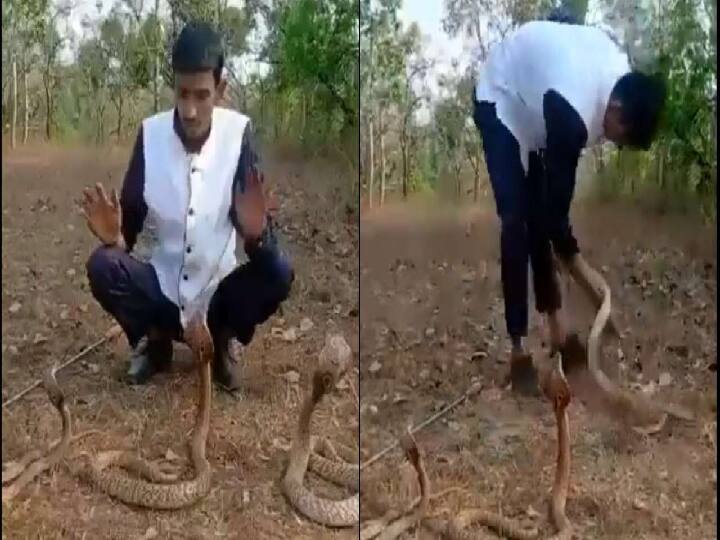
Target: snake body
156 491
643 415
35 462
334 361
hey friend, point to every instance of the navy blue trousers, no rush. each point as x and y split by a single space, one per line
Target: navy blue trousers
520 200
129 290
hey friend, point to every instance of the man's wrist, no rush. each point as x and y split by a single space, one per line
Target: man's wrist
117 243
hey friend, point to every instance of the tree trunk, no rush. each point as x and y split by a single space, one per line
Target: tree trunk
382 160
26 104
403 148
13 125
48 106
156 67
120 116
371 179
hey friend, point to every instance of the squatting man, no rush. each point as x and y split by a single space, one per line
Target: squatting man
192 188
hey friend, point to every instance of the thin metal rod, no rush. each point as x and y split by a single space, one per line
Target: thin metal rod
111 333
475 388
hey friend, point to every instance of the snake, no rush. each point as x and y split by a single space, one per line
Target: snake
334 361
643 415
395 523
159 490
17 476
555 386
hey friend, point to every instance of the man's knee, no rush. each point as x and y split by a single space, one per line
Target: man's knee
283 278
101 266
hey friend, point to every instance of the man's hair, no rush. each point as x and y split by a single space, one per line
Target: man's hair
198 48
641 98
562 15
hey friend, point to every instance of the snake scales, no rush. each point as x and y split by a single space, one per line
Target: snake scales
333 363
158 489
640 413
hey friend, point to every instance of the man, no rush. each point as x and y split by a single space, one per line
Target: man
544 93
192 184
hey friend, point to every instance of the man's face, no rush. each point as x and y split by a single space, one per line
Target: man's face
195 96
613 126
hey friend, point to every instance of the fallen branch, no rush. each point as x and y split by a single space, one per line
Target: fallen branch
111 333
474 389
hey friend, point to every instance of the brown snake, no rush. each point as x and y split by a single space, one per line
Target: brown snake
334 362
643 415
395 523
35 462
159 490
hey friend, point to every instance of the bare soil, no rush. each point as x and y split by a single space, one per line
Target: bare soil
50 315
432 323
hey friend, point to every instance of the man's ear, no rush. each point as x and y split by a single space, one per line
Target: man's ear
220 91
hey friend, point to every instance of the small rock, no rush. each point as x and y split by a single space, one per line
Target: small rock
373 409
293 377
289 335
15 307
429 332
375 367
639 505
491 394
246 496
424 373
12 349
337 309
306 325
532 513
454 426
150 533
171 456
665 379
93 368
39 338
478 355
71 272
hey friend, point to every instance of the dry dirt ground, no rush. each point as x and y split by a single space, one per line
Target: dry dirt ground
432 323
49 315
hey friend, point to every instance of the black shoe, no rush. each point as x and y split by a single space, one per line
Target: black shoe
523 375
147 359
225 365
573 354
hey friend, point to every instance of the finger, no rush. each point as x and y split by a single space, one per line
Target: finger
114 199
101 192
89 199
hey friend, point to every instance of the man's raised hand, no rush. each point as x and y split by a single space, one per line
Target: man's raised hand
252 206
103 216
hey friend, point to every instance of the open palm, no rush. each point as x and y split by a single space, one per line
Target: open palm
252 206
103 215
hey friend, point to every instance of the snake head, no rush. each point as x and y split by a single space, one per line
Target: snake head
335 356
555 385
197 336
322 382
55 394
409 446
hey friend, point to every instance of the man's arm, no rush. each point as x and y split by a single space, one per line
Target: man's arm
132 202
248 165
566 137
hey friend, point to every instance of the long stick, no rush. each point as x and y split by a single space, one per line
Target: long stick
111 333
474 389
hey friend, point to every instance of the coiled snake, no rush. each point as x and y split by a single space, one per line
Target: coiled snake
159 489
333 363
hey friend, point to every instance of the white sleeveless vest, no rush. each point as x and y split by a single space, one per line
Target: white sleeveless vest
189 197
581 63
